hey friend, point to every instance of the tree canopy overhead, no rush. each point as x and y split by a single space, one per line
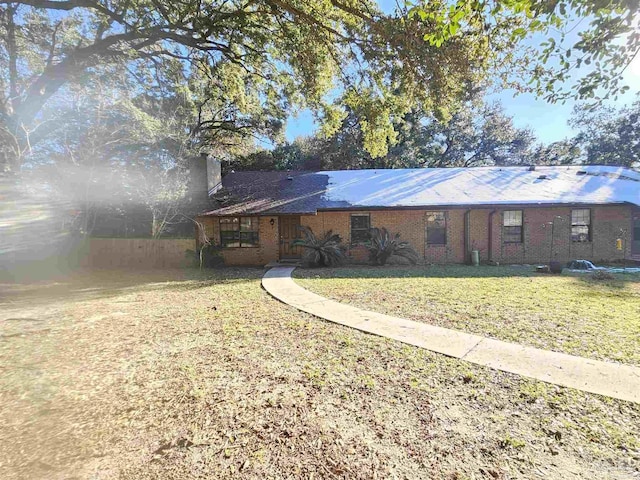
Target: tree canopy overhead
478 134
239 67
264 55
588 43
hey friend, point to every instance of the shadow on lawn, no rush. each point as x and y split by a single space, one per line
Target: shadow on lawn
83 285
618 282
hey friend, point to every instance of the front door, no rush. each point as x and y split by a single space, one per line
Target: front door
289 231
635 236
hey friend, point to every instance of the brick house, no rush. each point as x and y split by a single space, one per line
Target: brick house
508 214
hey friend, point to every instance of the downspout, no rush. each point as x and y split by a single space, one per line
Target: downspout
467 236
490 247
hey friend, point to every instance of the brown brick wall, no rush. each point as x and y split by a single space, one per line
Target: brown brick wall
340 223
479 232
606 223
265 253
411 224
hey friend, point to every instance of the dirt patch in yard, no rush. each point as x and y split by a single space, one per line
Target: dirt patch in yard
189 375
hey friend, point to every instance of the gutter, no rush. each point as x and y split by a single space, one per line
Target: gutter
467 235
361 208
490 228
479 206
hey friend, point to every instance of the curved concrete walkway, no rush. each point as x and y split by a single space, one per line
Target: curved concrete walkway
604 378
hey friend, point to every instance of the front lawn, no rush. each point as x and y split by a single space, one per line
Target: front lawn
571 314
180 375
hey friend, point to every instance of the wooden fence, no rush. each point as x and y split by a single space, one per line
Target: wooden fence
138 252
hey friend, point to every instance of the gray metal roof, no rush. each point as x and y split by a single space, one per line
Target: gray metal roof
268 193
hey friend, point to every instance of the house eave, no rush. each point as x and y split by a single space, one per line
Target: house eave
479 206
457 206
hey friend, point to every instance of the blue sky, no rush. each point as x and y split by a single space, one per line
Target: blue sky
548 121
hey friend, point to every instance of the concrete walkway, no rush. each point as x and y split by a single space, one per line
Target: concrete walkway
604 378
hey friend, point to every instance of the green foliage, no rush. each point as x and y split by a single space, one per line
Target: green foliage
608 136
110 149
210 256
588 65
562 152
301 154
324 251
383 246
477 134
510 442
236 69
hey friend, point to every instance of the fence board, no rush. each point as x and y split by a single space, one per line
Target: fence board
138 252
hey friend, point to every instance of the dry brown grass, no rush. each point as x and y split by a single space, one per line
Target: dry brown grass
188 375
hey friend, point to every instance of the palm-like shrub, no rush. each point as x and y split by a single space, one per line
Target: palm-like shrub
324 251
384 246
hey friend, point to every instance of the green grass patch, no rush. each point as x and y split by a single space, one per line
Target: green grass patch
567 313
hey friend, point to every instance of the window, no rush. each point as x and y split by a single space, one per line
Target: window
436 228
512 226
239 232
360 225
581 225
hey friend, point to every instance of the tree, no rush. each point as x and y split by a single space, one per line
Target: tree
270 56
481 134
301 154
266 55
608 136
562 152
478 134
588 68
115 153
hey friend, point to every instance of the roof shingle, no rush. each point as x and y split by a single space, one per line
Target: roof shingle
272 193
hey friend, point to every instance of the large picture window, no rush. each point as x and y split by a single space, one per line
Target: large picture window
360 225
581 225
239 232
436 228
512 226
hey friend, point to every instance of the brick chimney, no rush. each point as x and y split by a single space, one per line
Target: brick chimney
198 178
205 177
214 175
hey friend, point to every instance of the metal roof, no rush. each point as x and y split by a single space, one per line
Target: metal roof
300 192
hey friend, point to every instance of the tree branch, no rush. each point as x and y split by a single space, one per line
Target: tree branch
13 55
70 5
52 48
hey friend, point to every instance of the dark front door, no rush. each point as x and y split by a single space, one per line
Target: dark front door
635 236
289 231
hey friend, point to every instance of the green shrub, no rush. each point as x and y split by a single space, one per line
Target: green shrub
325 251
384 246
210 256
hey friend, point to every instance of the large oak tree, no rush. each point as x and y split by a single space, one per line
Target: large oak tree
269 54
267 57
